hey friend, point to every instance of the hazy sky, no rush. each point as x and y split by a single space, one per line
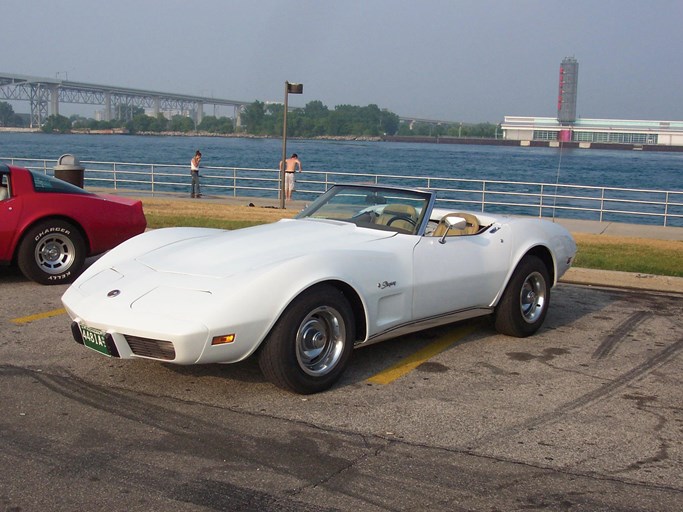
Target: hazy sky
453 60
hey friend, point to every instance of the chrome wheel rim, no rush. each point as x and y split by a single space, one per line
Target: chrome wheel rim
55 254
532 297
320 341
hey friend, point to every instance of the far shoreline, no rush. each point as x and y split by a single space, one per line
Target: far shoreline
473 141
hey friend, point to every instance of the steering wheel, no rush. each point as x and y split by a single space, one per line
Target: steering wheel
367 216
409 220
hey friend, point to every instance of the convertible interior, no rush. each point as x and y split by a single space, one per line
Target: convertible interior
472 226
403 218
441 224
392 209
398 216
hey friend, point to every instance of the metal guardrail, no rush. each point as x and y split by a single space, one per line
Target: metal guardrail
646 206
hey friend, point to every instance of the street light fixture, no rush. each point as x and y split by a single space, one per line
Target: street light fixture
289 89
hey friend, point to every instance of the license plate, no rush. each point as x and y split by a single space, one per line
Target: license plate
94 339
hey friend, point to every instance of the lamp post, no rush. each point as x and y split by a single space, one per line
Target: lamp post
289 89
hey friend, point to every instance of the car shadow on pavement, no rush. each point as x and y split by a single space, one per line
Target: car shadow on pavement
11 274
243 371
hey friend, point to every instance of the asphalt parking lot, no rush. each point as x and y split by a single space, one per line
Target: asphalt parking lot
586 415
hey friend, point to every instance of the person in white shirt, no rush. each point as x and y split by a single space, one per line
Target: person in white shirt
194 171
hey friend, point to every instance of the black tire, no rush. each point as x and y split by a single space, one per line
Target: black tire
51 252
309 347
524 304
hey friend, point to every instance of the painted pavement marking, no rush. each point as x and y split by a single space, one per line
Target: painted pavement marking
411 362
38 316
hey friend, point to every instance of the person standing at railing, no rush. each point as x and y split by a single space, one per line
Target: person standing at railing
291 165
194 171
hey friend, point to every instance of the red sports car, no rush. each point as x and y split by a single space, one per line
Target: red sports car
48 226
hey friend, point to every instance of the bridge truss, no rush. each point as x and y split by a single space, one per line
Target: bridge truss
45 95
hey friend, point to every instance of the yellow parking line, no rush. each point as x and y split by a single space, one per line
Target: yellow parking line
414 360
38 316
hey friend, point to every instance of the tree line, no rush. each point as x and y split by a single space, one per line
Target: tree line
8 117
265 119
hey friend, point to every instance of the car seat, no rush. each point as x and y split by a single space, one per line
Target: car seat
399 216
471 228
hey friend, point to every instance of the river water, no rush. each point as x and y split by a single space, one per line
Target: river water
599 168
602 168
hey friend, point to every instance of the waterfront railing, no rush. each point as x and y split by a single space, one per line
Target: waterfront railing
605 204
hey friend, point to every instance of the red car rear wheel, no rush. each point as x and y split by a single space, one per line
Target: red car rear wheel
52 252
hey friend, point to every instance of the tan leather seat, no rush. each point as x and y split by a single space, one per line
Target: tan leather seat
393 216
3 193
471 228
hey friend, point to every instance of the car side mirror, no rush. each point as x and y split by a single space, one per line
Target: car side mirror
452 222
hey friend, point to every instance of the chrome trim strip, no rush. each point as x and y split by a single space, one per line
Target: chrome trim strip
425 323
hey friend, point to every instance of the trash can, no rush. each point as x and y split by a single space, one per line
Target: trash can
69 169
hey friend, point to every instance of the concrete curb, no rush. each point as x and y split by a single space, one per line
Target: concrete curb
622 229
628 280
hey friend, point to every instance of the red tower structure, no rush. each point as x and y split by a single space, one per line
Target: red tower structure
566 101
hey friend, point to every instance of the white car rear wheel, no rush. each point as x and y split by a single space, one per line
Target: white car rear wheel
51 252
524 304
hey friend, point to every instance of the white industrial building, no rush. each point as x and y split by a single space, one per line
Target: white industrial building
568 128
589 131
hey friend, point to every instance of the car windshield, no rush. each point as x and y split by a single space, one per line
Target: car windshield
384 208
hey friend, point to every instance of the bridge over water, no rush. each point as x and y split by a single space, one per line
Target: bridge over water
46 94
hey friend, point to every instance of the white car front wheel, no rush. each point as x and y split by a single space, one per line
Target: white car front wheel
310 345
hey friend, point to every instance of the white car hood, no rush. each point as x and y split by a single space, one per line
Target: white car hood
224 253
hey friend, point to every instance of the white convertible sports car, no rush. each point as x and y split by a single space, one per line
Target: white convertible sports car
359 265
